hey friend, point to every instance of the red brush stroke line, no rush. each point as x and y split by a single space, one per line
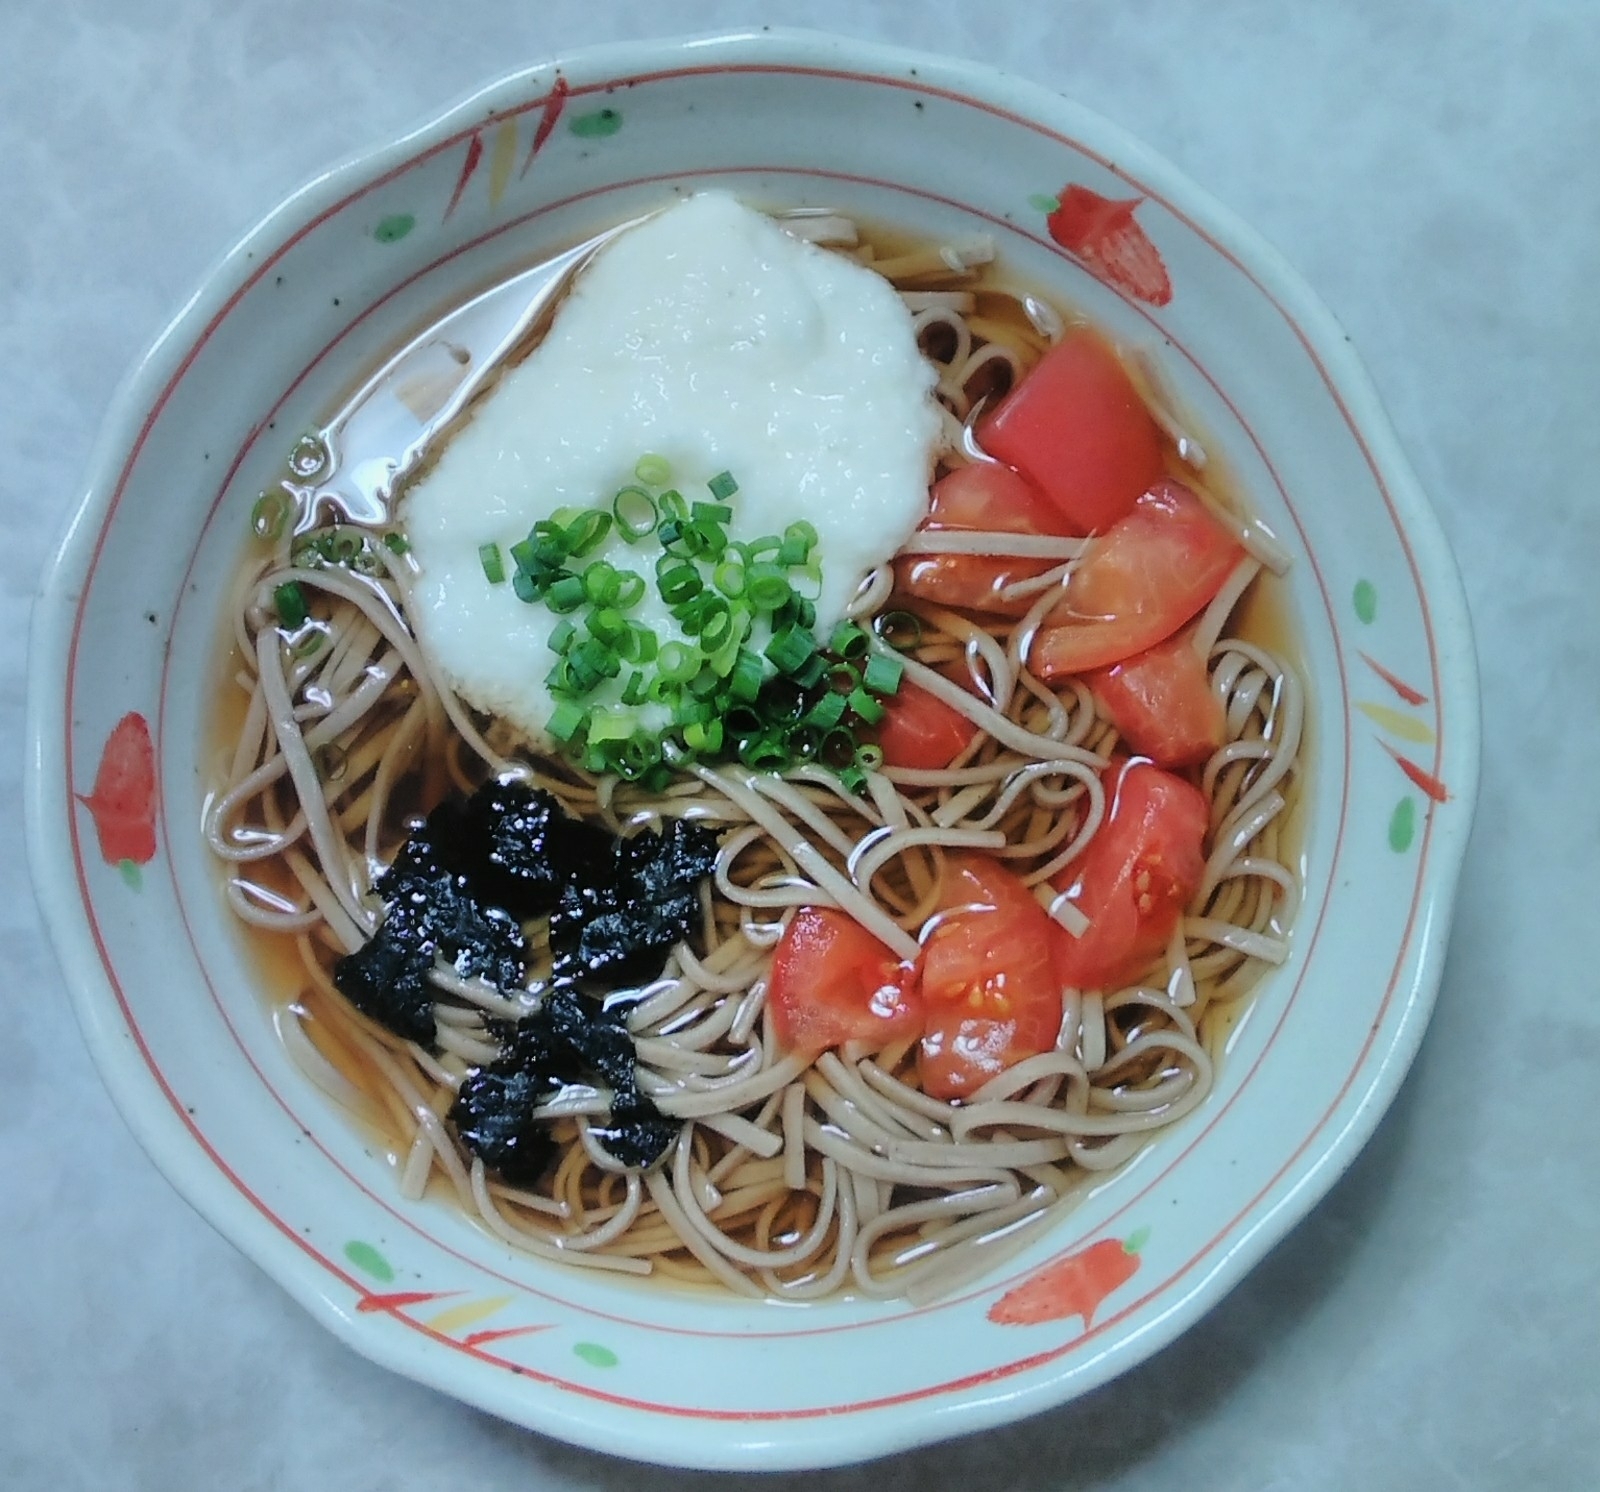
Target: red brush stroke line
1404 690
1425 780
395 1301
499 1334
474 155
555 102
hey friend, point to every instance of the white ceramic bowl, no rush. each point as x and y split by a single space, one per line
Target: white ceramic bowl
128 615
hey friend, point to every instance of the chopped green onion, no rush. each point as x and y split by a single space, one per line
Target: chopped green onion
848 641
562 636
811 672
728 577
827 712
711 513
270 514
803 741
396 543
653 470
600 583
524 553
705 684
723 486
883 674
635 513
741 721
630 589
763 752
566 594
567 721
789 649
310 644
677 663
608 624
853 778
672 506
792 554
526 587
757 549
766 586
865 706
744 682
802 532
494 567
869 757
611 725
633 691
706 738
643 643
597 657
587 531
811 573
679 582
290 603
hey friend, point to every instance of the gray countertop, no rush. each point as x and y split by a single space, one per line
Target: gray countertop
1430 166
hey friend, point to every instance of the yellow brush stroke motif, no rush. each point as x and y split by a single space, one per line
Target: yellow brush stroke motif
501 162
469 1314
1397 722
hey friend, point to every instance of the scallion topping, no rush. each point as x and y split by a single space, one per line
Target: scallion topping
494 568
289 601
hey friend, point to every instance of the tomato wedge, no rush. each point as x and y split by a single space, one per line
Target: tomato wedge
920 730
1137 584
1136 876
989 979
1162 704
833 982
987 496
1077 426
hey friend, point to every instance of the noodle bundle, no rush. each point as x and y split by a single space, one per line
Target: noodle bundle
794 1174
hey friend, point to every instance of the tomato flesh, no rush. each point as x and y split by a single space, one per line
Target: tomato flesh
1162 704
1137 584
989 979
984 496
1077 427
920 730
833 982
1135 877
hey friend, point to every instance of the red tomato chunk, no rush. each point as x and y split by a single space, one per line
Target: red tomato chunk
1162 704
920 730
989 979
1136 876
833 982
992 498
1078 429
1137 584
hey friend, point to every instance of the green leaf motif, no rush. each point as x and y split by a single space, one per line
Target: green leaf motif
1403 825
1044 202
1135 1241
131 875
369 1260
1365 600
598 125
595 1355
394 227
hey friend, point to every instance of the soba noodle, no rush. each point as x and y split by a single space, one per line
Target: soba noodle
791 1176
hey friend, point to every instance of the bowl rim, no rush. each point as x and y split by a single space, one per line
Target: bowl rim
195 1173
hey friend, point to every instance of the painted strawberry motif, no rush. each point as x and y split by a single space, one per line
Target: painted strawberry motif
1074 1286
123 803
1102 234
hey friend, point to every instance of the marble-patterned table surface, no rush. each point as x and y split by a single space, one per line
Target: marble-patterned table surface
1430 166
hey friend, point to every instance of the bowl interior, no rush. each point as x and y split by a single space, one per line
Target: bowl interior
352 269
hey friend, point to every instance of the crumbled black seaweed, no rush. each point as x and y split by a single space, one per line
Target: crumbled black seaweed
518 846
618 928
430 911
493 1114
459 888
569 1039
